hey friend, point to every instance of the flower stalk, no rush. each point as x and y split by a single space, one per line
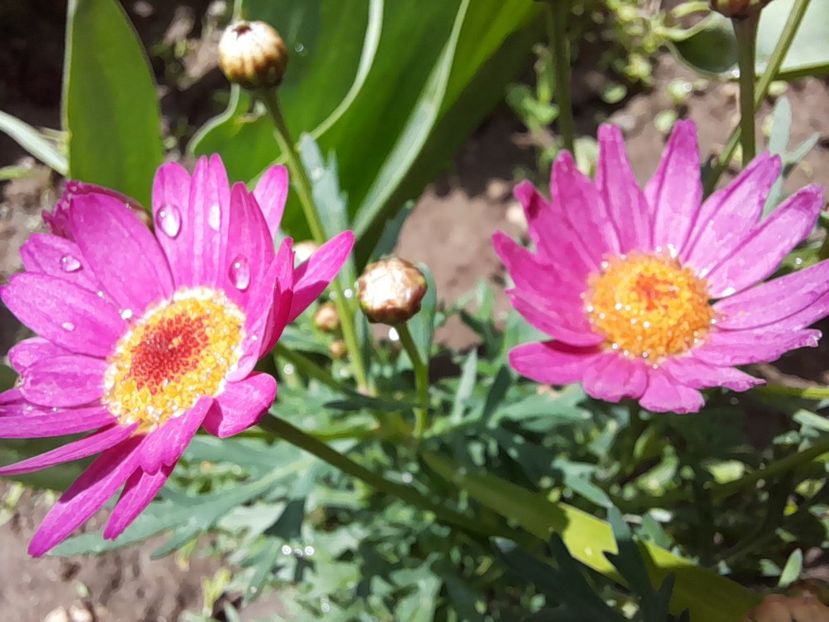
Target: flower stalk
762 88
284 430
556 14
303 189
745 28
421 373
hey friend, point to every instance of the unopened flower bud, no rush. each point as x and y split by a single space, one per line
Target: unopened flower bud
303 251
338 349
738 9
326 318
253 55
390 291
776 608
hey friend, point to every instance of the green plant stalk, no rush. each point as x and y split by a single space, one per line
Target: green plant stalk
805 393
778 467
746 31
557 13
284 430
303 189
421 372
308 367
762 88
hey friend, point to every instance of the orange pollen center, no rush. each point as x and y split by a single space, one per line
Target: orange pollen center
178 351
648 306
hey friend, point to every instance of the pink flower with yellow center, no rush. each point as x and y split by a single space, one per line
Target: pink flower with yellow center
143 338
653 295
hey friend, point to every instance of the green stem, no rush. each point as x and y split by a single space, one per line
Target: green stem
746 31
805 393
762 89
284 430
309 368
783 465
557 13
303 189
421 372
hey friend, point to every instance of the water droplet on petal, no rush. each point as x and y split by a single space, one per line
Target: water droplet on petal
214 217
126 314
240 273
68 263
69 326
168 219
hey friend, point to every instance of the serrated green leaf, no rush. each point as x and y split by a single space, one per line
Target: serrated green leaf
709 597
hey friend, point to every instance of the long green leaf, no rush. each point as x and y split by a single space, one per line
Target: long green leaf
34 142
709 597
110 106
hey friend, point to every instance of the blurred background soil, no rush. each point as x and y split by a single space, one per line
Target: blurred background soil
449 230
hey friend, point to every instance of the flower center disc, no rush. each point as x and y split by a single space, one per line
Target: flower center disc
648 306
177 352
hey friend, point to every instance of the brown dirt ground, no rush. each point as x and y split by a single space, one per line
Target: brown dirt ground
449 230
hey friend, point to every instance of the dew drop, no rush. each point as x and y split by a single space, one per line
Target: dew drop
286 549
168 219
68 263
393 335
214 217
240 273
309 550
126 314
68 326
407 478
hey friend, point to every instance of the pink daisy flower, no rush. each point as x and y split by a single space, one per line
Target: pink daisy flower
143 338
653 295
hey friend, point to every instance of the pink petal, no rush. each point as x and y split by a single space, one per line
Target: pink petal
50 254
121 251
29 351
40 423
726 348
241 405
70 380
776 300
548 320
283 293
554 240
728 216
552 362
83 448
664 394
205 224
542 288
698 374
312 277
576 201
534 275
65 314
271 192
10 396
675 191
250 249
173 224
138 492
763 251
618 188
86 496
165 445
59 220
612 377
